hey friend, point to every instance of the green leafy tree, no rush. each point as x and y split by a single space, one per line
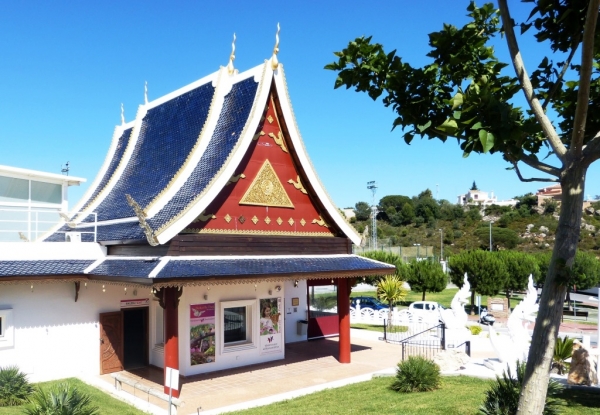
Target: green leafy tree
465 93
362 210
501 237
485 271
393 201
388 258
519 266
407 214
425 276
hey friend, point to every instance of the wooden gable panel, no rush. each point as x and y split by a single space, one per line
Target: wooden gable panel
248 205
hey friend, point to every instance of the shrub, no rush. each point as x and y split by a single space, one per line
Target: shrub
399 329
502 398
14 386
475 330
62 399
562 351
416 374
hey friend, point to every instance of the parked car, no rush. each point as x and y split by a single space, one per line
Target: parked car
368 302
429 310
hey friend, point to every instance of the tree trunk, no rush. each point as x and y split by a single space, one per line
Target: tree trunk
423 295
508 299
537 373
472 301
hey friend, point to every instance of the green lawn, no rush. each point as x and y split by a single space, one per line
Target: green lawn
458 395
107 404
444 298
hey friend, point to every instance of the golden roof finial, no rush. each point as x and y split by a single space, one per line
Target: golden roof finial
274 61
230 67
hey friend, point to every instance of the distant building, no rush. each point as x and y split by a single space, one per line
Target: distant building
478 197
349 213
551 192
30 202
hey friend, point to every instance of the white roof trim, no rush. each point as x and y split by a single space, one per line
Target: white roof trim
118 132
163 261
288 115
223 177
40 175
93 266
105 223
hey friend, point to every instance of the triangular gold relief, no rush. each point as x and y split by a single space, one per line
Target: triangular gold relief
266 189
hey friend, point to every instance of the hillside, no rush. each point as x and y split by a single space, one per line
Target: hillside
526 227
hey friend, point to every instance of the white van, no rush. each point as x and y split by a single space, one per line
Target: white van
429 310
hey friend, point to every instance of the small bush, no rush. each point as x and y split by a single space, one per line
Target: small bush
399 329
475 330
416 374
562 351
62 399
502 398
14 386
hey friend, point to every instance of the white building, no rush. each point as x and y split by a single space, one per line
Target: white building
478 197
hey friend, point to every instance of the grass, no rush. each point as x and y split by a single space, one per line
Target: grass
107 404
458 395
444 298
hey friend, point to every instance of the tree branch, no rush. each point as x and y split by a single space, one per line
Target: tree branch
538 165
532 179
585 75
591 151
562 73
559 149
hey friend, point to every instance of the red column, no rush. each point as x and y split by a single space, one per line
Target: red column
343 306
171 301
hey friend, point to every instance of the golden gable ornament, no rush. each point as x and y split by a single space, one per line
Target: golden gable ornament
266 189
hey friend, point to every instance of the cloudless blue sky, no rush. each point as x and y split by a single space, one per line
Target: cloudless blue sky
68 65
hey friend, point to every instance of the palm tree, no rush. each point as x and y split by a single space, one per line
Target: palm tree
390 289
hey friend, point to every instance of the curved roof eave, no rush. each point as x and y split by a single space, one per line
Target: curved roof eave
315 182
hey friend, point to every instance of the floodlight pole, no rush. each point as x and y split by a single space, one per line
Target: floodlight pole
441 245
372 186
491 235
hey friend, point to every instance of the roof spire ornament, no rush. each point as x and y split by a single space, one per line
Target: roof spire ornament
230 67
122 114
274 61
146 92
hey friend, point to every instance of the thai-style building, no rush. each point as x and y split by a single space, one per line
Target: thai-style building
204 243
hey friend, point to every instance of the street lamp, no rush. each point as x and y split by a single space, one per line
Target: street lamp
441 245
491 235
417 245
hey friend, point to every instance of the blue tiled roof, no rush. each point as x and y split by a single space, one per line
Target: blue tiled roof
43 267
268 266
167 134
139 268
234 115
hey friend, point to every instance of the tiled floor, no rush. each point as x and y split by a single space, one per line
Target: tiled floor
306 364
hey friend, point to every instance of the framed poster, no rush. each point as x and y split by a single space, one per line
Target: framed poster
271 339
202 333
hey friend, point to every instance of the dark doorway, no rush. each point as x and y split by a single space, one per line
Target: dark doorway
135 337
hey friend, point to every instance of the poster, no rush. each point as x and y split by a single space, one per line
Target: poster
271 338
202 333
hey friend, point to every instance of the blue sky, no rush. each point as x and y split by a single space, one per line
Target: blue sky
68 65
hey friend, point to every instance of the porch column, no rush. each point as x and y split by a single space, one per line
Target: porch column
343 306
171 357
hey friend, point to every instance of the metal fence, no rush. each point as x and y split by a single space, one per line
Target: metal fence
426 343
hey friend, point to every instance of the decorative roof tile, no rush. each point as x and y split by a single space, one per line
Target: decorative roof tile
138 268
167 134
241 266
43 267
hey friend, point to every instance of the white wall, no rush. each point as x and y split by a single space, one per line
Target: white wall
54 336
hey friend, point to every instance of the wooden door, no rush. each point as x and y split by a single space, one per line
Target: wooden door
111 342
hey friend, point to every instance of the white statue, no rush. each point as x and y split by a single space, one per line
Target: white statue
515 346
456 317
